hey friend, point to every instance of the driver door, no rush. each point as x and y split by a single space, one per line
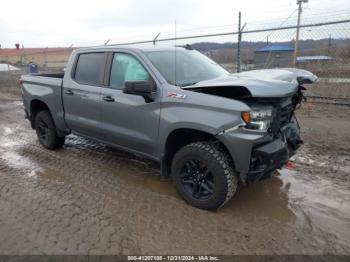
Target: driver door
128 121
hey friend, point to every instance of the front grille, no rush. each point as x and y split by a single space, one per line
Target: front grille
283 116
286 114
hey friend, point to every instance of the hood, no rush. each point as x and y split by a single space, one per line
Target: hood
292 75
260 83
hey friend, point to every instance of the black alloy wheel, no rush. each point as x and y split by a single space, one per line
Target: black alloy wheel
203 174
43 131
47 132
197 179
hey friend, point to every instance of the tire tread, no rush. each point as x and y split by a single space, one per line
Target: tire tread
56 141
220 155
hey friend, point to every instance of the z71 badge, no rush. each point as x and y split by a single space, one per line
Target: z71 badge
176 95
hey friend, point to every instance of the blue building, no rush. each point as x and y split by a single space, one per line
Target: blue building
315 59
273 56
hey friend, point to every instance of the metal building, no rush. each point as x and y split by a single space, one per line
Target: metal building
273 56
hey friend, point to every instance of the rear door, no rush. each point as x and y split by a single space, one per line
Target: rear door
128 120
82 94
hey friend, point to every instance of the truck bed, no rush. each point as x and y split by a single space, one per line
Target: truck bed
53 80
46 88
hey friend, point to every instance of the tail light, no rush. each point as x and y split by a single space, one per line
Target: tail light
20 81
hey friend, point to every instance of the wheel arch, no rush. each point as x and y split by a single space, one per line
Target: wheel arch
37 105
181 137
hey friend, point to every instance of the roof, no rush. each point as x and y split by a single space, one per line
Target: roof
273 47
31 51
137 49
313 58
133 47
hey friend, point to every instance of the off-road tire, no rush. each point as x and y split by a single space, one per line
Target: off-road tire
221 166
52 141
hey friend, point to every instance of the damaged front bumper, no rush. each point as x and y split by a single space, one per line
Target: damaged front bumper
256 154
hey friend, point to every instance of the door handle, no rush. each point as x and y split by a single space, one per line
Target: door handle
108 99
69 92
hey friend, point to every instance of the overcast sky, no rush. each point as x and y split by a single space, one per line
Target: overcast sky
82 22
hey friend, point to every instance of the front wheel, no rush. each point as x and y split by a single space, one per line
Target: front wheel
46 131
203 175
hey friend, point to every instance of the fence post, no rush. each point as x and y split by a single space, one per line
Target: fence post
239 44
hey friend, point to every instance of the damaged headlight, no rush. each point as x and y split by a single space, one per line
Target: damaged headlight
258 118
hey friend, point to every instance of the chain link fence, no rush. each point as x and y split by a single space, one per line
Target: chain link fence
9 78
17 61
324 49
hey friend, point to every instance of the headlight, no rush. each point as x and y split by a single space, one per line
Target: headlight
258 118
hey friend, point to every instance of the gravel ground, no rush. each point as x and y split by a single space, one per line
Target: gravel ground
89 199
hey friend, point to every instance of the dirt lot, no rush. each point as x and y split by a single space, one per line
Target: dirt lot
90 199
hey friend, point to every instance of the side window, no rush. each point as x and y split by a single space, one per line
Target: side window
89 68
125 67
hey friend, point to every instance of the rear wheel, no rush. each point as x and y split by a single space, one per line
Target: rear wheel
46 131
203 175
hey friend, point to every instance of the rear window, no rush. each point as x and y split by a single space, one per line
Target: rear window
89 69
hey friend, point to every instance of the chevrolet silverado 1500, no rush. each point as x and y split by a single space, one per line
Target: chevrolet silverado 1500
207 128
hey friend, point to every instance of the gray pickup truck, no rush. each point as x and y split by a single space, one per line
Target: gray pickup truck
207 128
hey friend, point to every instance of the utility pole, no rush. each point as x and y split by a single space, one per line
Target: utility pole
296 44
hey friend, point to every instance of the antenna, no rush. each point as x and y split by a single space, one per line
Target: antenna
175 53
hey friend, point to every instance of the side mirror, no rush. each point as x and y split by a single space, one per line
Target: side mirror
144 88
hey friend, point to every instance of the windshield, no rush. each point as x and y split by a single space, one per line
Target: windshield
191 66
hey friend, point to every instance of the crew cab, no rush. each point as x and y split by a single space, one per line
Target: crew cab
208 129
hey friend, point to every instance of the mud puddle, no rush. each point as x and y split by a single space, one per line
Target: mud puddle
319 204
287 197
312 203
268 198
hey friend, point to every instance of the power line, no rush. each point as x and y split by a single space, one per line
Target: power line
285 20
268 59
323 14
